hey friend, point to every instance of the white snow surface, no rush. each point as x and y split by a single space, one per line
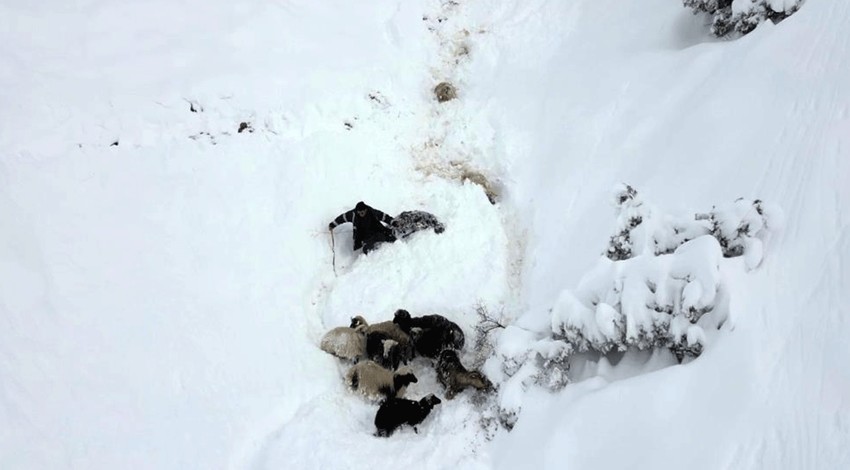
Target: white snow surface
162 300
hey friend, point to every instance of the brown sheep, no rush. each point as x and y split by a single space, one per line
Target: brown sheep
455 378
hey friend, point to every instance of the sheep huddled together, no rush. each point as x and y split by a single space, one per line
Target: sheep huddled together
377 352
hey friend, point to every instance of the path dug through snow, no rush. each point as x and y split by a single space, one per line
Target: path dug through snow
450 274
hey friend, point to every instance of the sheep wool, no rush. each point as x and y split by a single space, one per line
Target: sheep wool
377 383
397 330
395 412
455 377
434 333
345 343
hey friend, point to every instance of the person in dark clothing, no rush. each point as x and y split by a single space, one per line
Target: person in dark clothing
369 228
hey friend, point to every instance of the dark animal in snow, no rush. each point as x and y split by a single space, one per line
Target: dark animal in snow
445 91
395 412
454 376
434 333
409 222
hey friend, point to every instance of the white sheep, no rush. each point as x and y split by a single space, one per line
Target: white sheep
346 342
377 383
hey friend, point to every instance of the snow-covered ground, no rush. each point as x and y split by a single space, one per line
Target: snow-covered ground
165 279
632 94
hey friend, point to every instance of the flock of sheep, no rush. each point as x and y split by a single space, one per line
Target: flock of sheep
378 351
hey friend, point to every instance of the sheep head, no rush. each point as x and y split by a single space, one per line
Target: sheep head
403 380
402 319
430 401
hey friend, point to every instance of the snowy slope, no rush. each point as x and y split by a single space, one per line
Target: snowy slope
629 94
157 295
162 299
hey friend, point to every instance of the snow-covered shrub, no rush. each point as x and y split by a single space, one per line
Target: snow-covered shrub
630 214
528 359
641 228
482 345
742 16
643 303
487 330
739 227
551 363
659 286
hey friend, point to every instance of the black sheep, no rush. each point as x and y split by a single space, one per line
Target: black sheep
434 333
395 412
454 377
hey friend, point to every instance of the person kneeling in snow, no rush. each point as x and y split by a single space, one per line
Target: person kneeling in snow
369 228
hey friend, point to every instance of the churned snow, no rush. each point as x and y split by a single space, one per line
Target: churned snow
168 171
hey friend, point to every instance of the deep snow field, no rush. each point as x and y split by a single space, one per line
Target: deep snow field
165 279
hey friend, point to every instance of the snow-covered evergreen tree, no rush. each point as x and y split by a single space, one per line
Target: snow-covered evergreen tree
647 302
630 214
742 16
658 286
641 228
